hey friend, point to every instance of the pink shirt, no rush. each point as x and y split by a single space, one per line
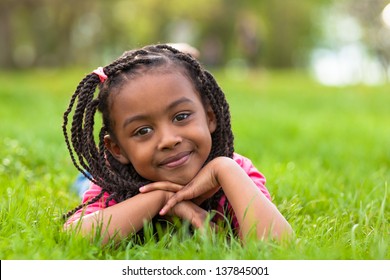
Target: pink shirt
242 161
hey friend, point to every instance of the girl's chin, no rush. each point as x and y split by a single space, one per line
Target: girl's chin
180 181
180 177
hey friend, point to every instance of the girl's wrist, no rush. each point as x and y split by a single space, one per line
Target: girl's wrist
161 196
166 196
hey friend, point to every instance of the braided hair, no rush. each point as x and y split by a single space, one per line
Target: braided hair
92 158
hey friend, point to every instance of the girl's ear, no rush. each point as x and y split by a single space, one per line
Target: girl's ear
211 119
115 150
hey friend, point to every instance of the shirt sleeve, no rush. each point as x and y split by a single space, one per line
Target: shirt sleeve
91 193
256 176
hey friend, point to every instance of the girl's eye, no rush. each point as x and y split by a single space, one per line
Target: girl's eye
143 131
181 117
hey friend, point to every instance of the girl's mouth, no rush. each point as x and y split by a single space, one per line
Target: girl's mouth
176 160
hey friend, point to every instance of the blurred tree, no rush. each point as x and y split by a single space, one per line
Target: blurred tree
58 33
38 32
6 35
291 30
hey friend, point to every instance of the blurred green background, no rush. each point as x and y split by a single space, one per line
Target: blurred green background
339 42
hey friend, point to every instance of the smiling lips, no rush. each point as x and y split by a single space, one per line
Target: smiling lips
176 160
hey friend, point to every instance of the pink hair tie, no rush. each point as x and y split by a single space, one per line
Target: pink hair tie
102 76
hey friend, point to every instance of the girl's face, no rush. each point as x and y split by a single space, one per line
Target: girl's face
161 127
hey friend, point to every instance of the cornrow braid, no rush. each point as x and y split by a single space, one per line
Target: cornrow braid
88 152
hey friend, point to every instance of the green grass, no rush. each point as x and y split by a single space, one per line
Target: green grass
325 153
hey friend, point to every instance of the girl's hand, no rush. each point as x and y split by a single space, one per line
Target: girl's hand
202 186
162 185
187 210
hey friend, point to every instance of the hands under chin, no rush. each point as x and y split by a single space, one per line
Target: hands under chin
185 210
203 186
182 201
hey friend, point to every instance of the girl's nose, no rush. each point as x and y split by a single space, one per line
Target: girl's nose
169 138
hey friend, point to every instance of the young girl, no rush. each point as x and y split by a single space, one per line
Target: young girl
165 148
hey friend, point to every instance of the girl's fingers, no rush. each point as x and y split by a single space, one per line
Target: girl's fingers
163 185
175 199
184 194
166 208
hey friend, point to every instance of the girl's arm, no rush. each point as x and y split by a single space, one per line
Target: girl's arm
129 216
254 212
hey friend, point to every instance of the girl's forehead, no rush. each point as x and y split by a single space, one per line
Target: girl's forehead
160 77
157 85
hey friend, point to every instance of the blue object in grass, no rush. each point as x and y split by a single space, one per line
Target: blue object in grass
81 184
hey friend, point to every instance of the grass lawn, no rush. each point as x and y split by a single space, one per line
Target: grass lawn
324 151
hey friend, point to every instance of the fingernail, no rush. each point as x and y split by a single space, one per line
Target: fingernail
141 188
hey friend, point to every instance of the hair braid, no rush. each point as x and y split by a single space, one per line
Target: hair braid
93 200
78 133
76 129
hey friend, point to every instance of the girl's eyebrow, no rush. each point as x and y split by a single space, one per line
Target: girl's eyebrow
169 107
178 102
